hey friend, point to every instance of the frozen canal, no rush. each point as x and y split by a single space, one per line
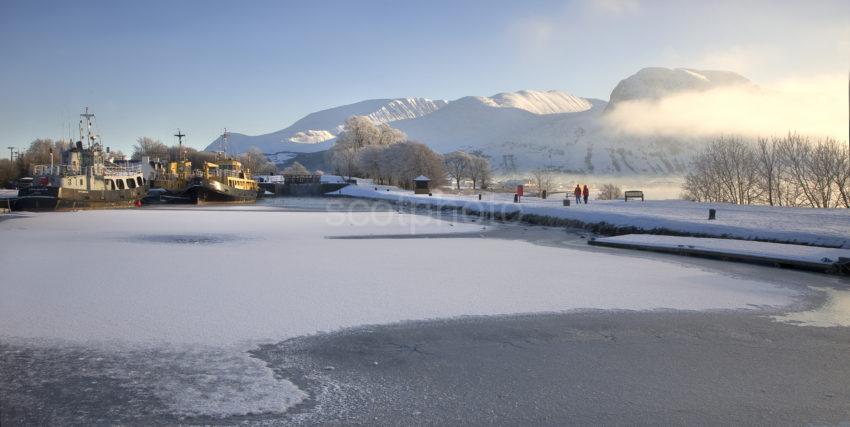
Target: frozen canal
163 315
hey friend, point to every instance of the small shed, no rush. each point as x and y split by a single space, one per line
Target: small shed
421 185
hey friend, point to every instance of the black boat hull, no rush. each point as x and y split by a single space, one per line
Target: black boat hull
210 191
42 198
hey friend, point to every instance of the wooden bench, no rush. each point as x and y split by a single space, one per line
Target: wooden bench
634 194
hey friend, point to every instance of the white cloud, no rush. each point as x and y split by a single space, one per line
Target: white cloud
814 106
534 31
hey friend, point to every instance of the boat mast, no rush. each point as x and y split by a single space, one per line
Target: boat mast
88 116
180 136
224 143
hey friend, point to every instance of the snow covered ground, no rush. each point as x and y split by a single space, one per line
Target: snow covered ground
199 287
824 227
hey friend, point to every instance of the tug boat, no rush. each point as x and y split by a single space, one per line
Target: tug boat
83 181
168 181
224 181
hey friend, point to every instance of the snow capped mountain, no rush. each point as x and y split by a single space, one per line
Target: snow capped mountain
537 102
406 108
519 131
655 83
316 131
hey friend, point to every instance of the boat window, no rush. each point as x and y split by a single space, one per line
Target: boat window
81 181
131 183
139 181
120 183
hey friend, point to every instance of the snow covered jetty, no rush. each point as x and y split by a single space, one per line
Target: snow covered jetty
783 255
812 227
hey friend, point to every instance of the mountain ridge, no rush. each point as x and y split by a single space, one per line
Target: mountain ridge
521 130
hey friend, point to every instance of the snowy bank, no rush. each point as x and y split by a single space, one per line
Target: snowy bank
826 259
818 227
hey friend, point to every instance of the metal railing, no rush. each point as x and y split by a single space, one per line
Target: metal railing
122 170
42 170
58 170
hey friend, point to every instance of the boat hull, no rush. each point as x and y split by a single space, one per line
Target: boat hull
45 198
205 191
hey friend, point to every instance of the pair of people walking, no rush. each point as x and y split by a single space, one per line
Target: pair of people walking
581 193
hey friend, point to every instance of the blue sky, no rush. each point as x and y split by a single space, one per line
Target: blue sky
148 67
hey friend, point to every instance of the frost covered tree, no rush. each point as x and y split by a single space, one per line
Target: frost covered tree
296 169
457 164
409 159
358 132
344 160
358 146
480 172
255 161
372 164
153 148
388 135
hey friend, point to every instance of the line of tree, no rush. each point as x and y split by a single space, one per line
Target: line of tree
793 170
461 166
254 160
38 153
383 154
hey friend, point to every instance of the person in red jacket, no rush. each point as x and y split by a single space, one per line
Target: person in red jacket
585 192
577 192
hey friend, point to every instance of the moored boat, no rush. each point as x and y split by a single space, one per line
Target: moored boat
85 180
224 181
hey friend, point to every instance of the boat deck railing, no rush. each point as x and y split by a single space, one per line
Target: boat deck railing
60 170
122 170
220 173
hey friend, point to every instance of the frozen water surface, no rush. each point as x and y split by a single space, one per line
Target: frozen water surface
198 288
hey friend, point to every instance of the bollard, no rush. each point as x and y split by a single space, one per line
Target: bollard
712 214
566 202
516 198
479 196
429 194
543 195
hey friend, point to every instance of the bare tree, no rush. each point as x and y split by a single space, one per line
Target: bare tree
769 164
610 192
457 164
153 148
790 171
543 179
480 172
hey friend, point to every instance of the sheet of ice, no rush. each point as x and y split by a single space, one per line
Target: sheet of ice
194 279
825 227
813 254
224 276
835 312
